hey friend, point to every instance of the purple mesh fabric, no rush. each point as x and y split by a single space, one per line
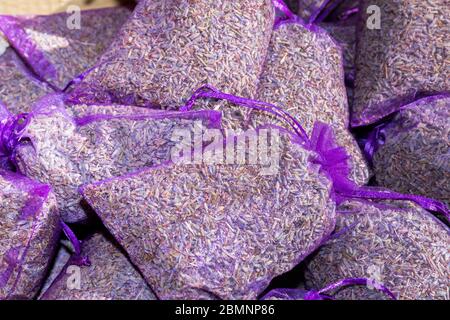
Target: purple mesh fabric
333 159
189 262
29 229
344 34
65 151
19 88
57 53
208 231
227 43
110 276
397 244
413 149
402 61
304 74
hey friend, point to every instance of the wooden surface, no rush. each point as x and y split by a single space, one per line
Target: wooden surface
25 7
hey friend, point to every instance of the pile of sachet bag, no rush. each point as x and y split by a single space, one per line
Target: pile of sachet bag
87 118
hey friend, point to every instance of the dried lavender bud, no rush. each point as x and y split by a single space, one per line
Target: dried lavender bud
304 74
407 56
109 277
169 48
57 48
415 155
208 231
399 245
29 227
67 152
18 87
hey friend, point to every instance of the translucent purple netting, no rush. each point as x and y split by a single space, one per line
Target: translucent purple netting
287 17
27 49
377 136
331 158
11 130
15 257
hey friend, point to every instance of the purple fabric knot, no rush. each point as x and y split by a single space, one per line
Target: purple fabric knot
334 163
18 38
11 133
333 160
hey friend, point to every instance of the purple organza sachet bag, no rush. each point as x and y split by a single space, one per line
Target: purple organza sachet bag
221 225
397 244
344 33
168 48
29 231
109 276
66 147
303 73
402 55
411 152
214 230
59 47
19 88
